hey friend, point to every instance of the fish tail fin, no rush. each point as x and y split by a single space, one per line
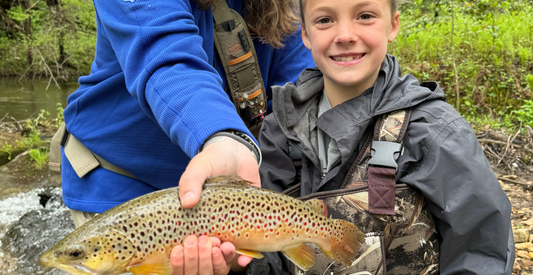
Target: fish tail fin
346 243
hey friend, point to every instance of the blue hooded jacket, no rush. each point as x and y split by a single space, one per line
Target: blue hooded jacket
154 96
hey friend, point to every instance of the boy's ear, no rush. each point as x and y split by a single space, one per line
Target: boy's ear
305 39
395 26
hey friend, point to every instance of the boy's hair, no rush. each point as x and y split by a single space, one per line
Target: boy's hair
271 20
393 7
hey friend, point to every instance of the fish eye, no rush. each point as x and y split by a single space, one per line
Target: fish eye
74 252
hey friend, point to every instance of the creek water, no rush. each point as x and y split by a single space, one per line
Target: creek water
31 219
27 98
31 223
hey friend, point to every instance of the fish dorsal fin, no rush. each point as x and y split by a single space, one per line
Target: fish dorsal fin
318 205
157 263
253 254
303 256
227 179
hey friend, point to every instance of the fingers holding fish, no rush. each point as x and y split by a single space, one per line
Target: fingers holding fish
224 255
202 255
176 260
205 262
190 255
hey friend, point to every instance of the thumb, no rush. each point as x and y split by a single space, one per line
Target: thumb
192 180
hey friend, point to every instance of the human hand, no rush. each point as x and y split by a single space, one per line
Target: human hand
205 256
224 157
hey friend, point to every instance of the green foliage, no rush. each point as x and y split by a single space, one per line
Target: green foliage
59 117
32 139
40 156
60 43
525 113
529 79
8 149
492 50
17 14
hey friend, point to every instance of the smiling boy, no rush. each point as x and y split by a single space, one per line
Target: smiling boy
320 131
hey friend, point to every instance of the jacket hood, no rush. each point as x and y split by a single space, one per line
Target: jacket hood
294 106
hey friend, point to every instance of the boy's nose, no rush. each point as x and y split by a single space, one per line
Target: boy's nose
346 34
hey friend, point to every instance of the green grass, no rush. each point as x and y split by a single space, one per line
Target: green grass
40 157
493 53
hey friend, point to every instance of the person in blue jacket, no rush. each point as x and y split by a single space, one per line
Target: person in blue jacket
155 95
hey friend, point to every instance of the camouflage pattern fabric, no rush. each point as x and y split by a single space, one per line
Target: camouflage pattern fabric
404 243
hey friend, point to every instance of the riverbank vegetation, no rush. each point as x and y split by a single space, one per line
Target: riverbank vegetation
479 51
31 136
52 38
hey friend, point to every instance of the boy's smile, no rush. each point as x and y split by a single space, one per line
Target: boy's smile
347 58
348 40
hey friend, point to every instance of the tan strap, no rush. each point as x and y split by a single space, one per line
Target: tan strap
54 156
84 161
80 157
106 165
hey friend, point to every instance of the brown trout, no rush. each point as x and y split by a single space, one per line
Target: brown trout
138 235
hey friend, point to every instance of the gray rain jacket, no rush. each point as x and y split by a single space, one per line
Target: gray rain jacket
442 158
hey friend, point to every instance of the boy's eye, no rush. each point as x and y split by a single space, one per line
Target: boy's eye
366 16
323 20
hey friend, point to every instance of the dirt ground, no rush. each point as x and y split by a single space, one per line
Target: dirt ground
518 190
510 155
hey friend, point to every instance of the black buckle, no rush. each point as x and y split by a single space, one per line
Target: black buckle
385 153
228 26
64 136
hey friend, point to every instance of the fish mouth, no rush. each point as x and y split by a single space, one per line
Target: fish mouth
45 261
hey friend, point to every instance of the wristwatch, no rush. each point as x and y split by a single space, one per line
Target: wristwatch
238 136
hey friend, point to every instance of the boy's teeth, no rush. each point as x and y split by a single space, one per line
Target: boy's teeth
347 58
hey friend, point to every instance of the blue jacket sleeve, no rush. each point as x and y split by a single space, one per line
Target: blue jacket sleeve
166 69
472 213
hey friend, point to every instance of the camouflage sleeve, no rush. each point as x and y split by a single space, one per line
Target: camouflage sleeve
444 160
277 170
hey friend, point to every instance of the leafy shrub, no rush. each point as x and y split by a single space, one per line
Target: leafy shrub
40 156
525 113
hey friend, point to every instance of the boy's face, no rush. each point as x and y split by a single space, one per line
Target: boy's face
348 38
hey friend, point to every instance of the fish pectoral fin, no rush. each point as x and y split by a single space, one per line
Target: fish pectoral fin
249 253
303 256
152 266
